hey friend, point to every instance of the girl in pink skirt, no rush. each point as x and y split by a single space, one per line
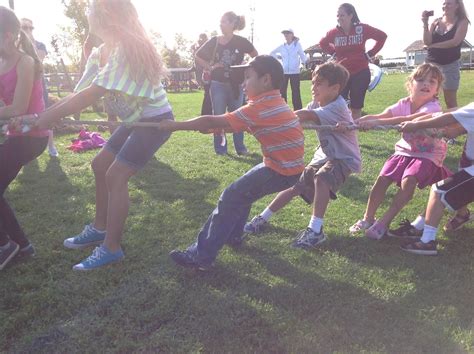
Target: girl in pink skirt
418 158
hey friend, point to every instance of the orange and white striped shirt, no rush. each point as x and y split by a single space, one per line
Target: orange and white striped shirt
269 118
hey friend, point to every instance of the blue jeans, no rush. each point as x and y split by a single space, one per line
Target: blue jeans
227 221
224 99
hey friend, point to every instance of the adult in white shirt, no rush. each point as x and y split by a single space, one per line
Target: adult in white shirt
291 56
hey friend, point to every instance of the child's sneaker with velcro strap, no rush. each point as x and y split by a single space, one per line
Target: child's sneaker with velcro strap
406 230
421 248
90 236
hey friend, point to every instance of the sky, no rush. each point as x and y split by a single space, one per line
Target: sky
310 20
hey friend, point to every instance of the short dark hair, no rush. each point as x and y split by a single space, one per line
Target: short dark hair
334 73
266 64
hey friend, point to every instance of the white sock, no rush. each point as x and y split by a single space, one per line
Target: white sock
316 224
429 234
419 222
97 230
266 214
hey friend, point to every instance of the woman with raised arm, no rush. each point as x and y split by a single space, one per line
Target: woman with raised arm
444 39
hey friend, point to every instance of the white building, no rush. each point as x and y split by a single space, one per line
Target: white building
416 54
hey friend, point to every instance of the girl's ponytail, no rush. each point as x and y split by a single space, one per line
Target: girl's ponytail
25 45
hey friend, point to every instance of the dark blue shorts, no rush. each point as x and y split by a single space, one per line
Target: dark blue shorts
356 88
135 146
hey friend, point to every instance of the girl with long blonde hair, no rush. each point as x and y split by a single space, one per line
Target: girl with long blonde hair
126 70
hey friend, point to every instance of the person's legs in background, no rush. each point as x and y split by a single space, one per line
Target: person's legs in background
295 91
219 92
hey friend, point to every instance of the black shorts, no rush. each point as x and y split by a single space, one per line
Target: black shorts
356 88
456 191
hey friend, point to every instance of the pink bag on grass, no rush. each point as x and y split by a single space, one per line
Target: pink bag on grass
87 141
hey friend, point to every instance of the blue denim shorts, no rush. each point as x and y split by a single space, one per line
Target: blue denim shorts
135 146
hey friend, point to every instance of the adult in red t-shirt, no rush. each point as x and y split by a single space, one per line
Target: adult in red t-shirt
347 42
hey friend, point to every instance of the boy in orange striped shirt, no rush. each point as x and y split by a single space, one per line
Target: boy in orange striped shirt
276 127
336 158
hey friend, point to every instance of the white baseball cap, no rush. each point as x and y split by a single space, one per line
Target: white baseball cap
287 30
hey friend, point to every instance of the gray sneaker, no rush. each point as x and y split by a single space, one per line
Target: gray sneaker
6 255
256 225
88 237
308 238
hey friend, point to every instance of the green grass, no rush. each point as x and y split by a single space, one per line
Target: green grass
351 295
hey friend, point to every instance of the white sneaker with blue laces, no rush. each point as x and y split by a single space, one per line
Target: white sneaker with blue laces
256 225
309 238
100 257
88 237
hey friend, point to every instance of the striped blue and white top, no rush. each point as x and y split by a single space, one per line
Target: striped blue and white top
126 98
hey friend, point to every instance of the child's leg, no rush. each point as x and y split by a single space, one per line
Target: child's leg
100 165
403 196
228 219
376 197
320 203
14 154
51 147
282 199
117 177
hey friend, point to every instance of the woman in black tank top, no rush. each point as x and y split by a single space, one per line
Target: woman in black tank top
443 40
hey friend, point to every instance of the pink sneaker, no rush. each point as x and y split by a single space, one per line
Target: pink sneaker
376 231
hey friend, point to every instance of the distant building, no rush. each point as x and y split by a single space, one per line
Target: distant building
416 54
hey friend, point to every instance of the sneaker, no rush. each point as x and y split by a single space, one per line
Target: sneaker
53 152
406 230
6 255
308 238
376 231
100 257
88 237
457 221
360 225
26 252
421 248
256 225
236 242
243 152
186 259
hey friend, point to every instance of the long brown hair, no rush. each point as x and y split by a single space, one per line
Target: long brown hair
120 19
9 23
461 12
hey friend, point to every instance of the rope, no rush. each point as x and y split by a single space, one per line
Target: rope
307 126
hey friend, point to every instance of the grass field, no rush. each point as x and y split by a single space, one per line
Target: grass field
351 295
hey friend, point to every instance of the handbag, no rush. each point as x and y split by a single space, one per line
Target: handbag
206 74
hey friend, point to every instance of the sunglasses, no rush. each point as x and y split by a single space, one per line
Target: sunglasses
31 28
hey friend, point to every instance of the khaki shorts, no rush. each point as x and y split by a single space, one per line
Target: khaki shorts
334 173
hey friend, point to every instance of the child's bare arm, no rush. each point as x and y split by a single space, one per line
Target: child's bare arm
389 121
384 115
307 115
440 121
453 130
202 123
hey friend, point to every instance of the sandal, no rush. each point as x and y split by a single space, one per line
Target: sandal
457 221
360 225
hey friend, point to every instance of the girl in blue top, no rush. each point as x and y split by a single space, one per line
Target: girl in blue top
126 70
